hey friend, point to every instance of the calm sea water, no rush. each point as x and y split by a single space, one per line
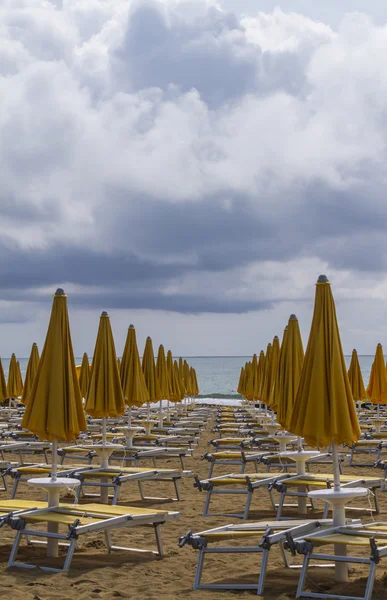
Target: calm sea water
218 376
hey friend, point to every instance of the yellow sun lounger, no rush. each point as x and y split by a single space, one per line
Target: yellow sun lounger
233 457
237 483
370 536
114 477
73 522
299 485
257 537
370 447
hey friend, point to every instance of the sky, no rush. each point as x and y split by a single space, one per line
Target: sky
191 167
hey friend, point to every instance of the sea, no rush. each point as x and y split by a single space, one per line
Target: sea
218 376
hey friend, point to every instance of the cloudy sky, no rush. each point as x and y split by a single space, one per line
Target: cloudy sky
192 166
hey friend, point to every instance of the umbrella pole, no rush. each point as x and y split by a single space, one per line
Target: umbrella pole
104 431
130 416
160 413
338 513
54 461
148 411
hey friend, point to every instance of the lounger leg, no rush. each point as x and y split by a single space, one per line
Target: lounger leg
77 493
181 461
69 555
207 503
303 573
154 461
199 570
14 489
262 573
326 510
14 550
280 506
370 582
141 490
61 460
376 502
117 489
108 541
176 484
158 540
210 470
272 499
248 503
4 483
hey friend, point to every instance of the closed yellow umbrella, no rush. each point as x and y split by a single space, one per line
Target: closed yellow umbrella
162 375
274 397
174 394
274 358
187 379
289 372
194 380
132 376
150 375
356 378
19 377
262 387
104 397
179 380
84 376
324 411
261 373
119 364
32 369
249 382
54 410
241 382
377 385
14 384
3 384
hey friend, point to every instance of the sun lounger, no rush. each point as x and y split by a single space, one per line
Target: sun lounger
371 537
257 538
76 520
369 447
25 472
299 485
232 457
115 477
237 483
137 454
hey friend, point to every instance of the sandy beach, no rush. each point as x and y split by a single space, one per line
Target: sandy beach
95 574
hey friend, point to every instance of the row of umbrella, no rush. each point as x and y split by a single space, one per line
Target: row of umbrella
14 387
262 379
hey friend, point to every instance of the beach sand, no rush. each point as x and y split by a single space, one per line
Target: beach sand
95 574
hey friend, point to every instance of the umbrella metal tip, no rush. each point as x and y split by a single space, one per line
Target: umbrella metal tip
149 338
131 326
104 314
292 317
59 292
322 279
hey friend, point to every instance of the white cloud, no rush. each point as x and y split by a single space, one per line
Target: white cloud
116 116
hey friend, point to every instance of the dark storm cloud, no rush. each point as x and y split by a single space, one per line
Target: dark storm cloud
210 54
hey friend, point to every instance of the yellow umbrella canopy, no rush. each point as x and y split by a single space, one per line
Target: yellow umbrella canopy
241 383
289 372
275 394
180 382
149 370
32 369
132 376
181 368
187 379
54 409
84 375
377 385
174 389
162 373
194 380
261 373
249 382
104 396
324 410
19 377
119 364
14 386
356 378
3 384
254 374
262 387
